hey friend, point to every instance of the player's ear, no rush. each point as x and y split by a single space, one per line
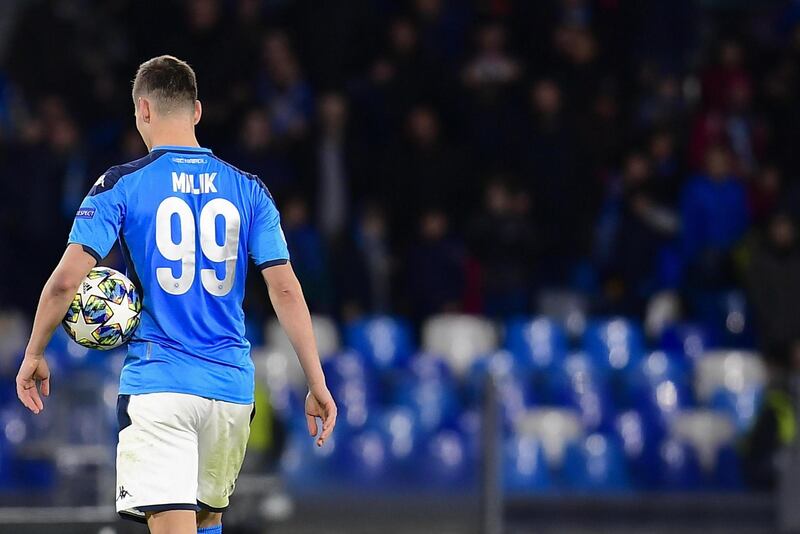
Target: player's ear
198 111
144 109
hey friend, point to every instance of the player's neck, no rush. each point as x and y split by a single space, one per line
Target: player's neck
174 137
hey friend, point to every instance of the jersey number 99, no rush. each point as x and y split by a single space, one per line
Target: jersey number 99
184 250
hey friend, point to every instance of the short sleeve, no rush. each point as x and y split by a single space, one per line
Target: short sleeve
267 244
100 216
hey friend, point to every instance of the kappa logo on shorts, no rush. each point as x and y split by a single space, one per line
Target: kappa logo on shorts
123 493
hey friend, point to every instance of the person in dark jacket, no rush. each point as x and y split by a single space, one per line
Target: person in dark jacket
775 428
773 280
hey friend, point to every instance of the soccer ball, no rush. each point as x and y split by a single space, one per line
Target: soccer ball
105 311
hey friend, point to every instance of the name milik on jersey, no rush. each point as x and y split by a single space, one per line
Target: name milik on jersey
186 183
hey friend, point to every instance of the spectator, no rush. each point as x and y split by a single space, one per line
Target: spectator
633 227
775 427
551 166
714 218
220 83
400 77
763 192
667 166
308 254
443 27
492 66
425 171
435 266
503 241
728 74
662 103
365 268
773 281
579 72
728 119
282 89
256 151
331 167
490 77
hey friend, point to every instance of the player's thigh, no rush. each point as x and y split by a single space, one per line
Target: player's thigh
222 443
157 453
172 522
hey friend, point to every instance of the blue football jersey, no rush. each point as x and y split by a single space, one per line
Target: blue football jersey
186 222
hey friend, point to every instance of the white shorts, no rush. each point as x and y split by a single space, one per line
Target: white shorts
178 452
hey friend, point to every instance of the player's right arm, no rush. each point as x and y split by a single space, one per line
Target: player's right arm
94 231
56 297
267 246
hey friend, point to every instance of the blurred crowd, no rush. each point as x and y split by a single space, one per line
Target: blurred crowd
441 155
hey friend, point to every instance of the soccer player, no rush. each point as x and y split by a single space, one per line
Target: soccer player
186 222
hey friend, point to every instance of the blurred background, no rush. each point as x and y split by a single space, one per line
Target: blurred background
550 247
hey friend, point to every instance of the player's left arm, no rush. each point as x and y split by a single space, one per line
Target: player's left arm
56 297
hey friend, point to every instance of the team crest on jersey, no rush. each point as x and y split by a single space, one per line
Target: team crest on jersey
85 213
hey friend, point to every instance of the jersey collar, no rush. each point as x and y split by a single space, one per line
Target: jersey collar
177 148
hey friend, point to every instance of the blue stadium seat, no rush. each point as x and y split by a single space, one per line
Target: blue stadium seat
444 464
459 339
354 388
735 370
675 467
513 382
737 326
8 477
727 316
727 473
653 369
385 342
554 427
364 458
63 353
34 473
688 339
614 343
289 404
427 366
404 437
468 425
433 402
707 432
658 388
304 466
347 367
539 343
741 406
657 366
637 441
565 306
577 383
18 426
354 412
8 391
525 467
596 464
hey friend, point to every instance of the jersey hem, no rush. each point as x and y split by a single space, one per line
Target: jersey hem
272 263
187 391
89 250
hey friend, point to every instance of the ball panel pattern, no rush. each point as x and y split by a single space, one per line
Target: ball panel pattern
105 312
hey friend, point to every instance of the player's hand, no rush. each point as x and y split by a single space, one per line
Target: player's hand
319 403
33 374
